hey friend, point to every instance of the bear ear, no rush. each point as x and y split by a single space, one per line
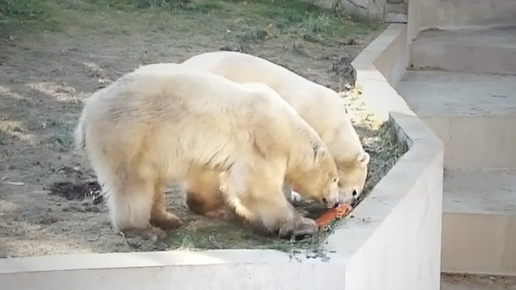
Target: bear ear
363 159
319 151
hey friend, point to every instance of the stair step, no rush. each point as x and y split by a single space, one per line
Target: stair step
400 8
473 114
480 192
484 50
395 18
441 93
460 13
479 222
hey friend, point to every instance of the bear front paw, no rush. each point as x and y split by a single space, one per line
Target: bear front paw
165 220
307 227
148 233
301 227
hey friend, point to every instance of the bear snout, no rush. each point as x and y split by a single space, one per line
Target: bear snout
332 202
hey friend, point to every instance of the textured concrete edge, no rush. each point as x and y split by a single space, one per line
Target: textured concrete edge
238 269
379 67
149 259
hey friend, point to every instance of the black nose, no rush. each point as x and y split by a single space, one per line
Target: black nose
355 193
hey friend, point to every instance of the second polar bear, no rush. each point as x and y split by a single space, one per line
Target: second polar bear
148 130
321 107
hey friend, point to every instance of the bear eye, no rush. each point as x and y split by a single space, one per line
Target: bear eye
335 179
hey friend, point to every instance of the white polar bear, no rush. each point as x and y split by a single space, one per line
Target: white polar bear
148 130
321 107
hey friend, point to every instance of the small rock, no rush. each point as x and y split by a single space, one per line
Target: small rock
15 183
261 34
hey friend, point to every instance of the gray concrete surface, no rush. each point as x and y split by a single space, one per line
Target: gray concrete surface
473 114
480 192
485 50
460 13
440 93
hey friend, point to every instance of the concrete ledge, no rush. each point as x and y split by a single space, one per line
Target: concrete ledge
396 232
393 241
220 269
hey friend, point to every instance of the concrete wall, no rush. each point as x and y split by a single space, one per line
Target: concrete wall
478 142
400 249
413 19
392 243
494 255
380 66
397 229
459 13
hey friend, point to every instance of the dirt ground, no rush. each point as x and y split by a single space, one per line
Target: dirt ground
48 66
476 282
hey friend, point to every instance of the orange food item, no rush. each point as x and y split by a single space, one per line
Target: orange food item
332 214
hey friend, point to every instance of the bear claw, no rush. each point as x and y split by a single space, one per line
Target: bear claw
148 233
307 227
166 221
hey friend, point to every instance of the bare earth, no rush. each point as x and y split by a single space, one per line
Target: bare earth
476 282
44 77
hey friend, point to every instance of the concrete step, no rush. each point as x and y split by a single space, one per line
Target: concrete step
479 222
473 114
395 18
483 50
461 13
399 8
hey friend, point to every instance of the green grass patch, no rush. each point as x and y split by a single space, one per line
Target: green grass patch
289 16
24 14
22 8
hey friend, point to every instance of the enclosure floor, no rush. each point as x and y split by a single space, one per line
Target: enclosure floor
481 192
498 36
477 282
440 93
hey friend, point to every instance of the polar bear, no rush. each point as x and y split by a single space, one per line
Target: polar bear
148 130
202 186
321 107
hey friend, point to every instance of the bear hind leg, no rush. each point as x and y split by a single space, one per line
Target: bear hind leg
160 217
203 195
130 206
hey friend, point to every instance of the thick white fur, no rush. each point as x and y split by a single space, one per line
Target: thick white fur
150 129
321 107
